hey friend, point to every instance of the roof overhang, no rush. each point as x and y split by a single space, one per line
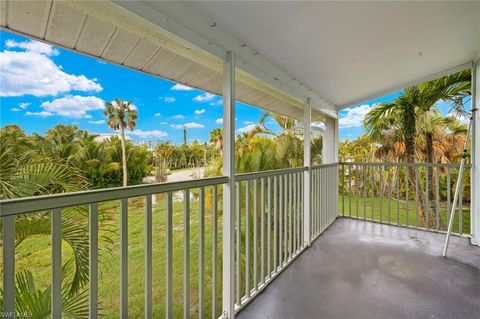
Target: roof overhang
337 54
104 30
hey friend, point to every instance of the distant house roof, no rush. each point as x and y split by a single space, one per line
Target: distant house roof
106 136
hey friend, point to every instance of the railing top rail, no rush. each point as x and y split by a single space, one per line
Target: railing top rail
250 176
324 165
38 203
404 164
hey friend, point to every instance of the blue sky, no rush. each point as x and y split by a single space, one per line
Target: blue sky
41 86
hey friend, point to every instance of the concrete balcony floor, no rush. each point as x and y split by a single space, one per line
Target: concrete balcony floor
358 269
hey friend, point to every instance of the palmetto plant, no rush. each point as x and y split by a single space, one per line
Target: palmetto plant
120 116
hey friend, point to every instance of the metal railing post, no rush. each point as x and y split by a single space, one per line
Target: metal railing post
228 188
307 161
475 172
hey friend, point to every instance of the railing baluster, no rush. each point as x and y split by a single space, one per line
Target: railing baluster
448 195
398 194
8 228
313 205
290 214
460 207
275 213
294 247
201 257
321 201
255 226
380 190
365 169
255 234
56 230
427 200
186 254
93 260
169 261
406 194
373 191
280 223
416 196
148 256
285 218
269 226
214 250
247 238
349 190
437 198
237 243
262 232
389 194
124 258
343 189
357 194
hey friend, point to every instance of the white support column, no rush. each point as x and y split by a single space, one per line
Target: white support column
475 174
228 189
330 141
307 161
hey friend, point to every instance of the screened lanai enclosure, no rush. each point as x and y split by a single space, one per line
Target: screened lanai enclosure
335 240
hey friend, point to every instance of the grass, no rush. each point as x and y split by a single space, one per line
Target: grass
395 212
34 255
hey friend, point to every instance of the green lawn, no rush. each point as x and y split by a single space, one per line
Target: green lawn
395 212
34 255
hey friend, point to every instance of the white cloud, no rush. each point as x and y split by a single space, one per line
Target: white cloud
169 99
180 87
205 97
20 106
158 114
163 123
246 129
33 72
354 116
219 121
188 125
198 112
23 105
219 102
247 122
178 116
97 122
33 46
73 106
148 134
39 114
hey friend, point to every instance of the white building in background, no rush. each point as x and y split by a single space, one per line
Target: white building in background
106 136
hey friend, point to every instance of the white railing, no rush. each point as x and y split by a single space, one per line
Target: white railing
61 203
268 232
417 195
324 206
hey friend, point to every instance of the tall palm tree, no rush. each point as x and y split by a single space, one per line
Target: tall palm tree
121 115
216 138
412 114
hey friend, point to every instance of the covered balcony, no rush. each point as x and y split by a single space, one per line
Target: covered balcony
334 240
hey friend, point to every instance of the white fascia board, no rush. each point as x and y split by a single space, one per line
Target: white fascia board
437 75
181 21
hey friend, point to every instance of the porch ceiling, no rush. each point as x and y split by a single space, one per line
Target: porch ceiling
350 52
109 32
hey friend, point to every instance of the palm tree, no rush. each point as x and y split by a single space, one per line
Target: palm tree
121 115
415 109
216 138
